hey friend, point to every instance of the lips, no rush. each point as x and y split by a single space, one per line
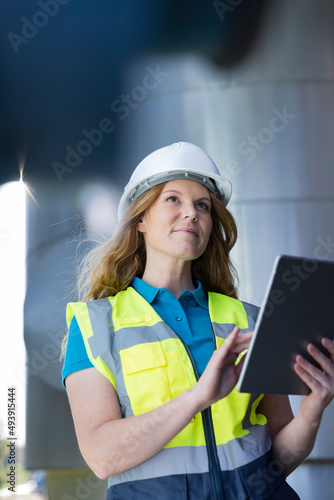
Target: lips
186 230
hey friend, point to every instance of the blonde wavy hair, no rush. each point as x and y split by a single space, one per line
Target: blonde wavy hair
110 267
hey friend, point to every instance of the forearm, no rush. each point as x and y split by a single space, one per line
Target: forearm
294 442
124 443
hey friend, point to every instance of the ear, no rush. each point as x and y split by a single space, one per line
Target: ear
141 226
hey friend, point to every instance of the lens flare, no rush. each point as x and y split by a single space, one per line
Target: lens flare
25 185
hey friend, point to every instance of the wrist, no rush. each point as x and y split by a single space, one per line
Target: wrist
195 402
310 417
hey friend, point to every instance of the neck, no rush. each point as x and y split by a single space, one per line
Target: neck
176 280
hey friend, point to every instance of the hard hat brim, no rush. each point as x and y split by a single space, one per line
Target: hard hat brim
218 185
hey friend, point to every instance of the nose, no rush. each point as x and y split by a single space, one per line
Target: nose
189 212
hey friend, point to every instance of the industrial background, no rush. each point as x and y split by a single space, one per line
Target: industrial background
88 89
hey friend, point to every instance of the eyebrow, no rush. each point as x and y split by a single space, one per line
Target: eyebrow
178 192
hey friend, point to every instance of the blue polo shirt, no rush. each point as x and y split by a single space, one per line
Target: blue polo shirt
187 315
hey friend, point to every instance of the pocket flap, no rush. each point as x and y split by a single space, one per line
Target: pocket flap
142 357
134 320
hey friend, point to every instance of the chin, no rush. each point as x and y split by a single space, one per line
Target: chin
187 254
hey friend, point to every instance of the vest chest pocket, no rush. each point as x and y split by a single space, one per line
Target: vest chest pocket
145 376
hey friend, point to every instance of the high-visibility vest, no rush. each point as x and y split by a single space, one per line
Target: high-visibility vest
224 452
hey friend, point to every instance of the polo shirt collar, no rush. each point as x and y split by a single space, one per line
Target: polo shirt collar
200 295
149 292
145 290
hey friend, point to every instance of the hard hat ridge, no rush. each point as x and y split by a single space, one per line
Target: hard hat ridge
181 160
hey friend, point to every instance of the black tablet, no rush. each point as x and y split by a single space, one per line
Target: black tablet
297 309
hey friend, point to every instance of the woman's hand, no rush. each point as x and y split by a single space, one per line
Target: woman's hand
221 373
295 440
319 380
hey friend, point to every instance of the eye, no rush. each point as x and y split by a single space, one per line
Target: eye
202 205
172 198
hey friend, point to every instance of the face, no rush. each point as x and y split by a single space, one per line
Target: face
178 223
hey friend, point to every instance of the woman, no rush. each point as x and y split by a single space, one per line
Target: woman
156 348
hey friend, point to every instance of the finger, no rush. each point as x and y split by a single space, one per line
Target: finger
238 348
324 361
311 372
242 342
236 342
225 351
245 336
235 330
232 337
306 377
329 344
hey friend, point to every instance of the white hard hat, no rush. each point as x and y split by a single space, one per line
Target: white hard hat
181 160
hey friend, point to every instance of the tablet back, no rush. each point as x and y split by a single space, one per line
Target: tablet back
298 308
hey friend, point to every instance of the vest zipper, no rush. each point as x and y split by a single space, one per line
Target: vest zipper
210 439
214 467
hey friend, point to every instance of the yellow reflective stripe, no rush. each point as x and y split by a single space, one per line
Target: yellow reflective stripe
80 311
225 309
130 301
